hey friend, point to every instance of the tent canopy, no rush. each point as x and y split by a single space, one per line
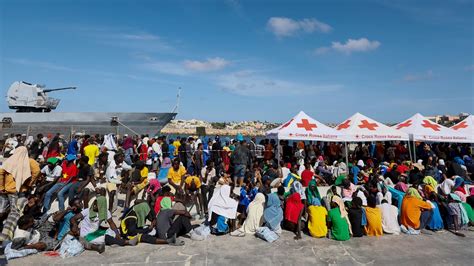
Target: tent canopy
465 130
421 128
304 127
359 128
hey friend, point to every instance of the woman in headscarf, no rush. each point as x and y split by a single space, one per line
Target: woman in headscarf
293 212
429 180
436 222
273 213
338 220
459 218
254 216
317 218
357 217
415 213
18 174
221 207
312 192
374 218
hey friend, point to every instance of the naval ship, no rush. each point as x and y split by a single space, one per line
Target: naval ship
34 115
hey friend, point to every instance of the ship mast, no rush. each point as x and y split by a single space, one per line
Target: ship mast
175 109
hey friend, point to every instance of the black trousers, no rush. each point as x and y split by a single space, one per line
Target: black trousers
180 226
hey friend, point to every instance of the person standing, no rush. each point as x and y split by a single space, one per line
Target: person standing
241 159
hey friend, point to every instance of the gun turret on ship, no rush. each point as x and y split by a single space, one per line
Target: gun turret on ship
33 115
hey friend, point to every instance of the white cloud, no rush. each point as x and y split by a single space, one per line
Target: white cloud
250 83
351 46
142 36
419 76
285 27
210 64
164 67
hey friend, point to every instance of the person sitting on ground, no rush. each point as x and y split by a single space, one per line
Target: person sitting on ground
33 207
91 231
273 213
415 213
25 237
50 173
192 186
357 217
254 215
62 184
169 228
137 182
374 218
63 218
312 192
293 212
389 218
84 177
221 209
317 218
457 214
134 229
338 220
176 175
117 169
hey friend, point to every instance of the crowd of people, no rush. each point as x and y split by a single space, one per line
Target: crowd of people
236 187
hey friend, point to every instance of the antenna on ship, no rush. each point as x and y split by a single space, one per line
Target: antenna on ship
175 109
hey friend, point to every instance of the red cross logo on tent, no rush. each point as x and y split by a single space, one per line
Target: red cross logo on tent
428 124
369 126
286 124
344 125
306 125
460 125
404 124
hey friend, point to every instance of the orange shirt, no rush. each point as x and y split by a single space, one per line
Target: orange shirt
411 211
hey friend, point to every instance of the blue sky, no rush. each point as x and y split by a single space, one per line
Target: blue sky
245 60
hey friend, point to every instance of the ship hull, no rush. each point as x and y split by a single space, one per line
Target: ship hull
89 123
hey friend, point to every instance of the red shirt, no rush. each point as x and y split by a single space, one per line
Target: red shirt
402 169
306 177
69 172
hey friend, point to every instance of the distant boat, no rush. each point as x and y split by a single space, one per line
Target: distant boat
33 116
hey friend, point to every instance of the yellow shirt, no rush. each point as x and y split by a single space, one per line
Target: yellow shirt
192 178
176 176
91 151
144 172
374 221
7 181
317 221
176 144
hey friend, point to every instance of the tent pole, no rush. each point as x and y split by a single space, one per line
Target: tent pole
278 151
409 150
347 155
414 151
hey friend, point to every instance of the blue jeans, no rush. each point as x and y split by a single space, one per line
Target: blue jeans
49 194
62 194
128 156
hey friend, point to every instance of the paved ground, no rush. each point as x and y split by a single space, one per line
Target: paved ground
442 248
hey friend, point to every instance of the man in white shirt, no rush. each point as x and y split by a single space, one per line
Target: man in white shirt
447 185
115 169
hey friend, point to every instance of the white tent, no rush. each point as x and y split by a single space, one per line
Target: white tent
304 127
359 128
421 128
465 130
